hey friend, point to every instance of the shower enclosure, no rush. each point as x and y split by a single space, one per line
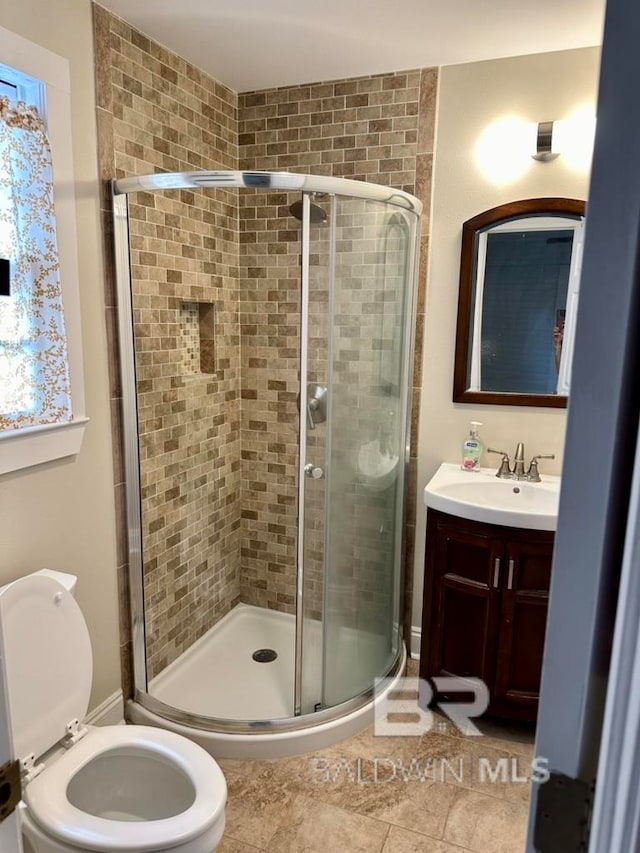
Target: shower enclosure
266 325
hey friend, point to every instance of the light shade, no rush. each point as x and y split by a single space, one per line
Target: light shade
545 138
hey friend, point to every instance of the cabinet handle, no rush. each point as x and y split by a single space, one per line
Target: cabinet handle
510 581
496 573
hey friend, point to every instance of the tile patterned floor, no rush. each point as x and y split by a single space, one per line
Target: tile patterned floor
385 795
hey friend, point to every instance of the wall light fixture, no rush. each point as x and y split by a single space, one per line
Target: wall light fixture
572 137
505 147
545 138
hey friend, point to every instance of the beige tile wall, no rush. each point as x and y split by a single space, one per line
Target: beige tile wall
219 451
155 113
373 128
269 323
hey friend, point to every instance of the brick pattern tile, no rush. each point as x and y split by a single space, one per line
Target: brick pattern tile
158 113
366 129
216 302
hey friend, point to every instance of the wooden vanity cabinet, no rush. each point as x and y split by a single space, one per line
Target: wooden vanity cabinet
485 608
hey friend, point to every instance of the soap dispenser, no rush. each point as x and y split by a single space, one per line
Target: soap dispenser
472 449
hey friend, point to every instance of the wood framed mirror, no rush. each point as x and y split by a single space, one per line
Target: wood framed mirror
517 303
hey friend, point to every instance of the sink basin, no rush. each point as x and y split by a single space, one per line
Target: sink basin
481 496
378 470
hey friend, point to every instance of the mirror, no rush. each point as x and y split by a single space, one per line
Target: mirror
518 298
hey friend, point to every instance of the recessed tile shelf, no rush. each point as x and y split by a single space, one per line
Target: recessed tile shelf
197 322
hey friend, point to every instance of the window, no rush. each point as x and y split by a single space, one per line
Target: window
18 86
34 366
41 383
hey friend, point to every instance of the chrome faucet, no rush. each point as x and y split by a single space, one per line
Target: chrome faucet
505 472
518 463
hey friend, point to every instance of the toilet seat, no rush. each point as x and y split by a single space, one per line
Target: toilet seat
48 802
48 662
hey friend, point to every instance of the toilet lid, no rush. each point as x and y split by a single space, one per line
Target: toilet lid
48 661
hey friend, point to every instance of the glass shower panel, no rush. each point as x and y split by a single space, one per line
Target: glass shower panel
370 312
188 408
320 232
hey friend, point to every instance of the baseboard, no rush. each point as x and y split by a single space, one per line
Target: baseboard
416 637
108 713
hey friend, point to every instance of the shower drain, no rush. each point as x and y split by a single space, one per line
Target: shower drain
264 655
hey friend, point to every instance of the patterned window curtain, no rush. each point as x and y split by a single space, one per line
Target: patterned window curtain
34 368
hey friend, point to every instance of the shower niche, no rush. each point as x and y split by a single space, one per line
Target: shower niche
197 323
251 523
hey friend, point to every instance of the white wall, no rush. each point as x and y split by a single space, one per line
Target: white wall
61 515
536 88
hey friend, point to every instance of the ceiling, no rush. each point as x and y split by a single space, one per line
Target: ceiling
257 44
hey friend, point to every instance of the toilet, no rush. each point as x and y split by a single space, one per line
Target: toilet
124 789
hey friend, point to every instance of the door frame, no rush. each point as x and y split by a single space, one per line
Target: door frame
602 430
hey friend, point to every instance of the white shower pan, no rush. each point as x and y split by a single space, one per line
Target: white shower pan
218 677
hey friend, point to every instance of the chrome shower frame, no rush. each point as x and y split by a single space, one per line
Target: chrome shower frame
284 181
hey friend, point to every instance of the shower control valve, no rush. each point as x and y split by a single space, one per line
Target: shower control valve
313 471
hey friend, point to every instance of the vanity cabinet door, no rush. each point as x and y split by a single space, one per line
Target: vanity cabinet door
485 608
463 563
525 599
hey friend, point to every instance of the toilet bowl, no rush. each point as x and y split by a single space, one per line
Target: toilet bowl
114 788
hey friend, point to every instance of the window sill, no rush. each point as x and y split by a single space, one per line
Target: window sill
23 448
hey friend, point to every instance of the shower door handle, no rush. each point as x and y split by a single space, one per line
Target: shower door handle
313 471
316 404
312 407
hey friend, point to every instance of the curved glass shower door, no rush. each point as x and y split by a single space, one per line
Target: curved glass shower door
353 464
265 397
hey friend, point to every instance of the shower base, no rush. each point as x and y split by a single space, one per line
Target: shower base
218 677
